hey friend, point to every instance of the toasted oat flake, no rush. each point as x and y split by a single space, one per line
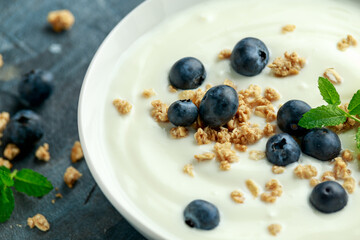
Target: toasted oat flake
58 195
61 20
328 176
333 76
148 93
256 155
271 94
172 89
305 171
224 54
11 151
201 137
267 197
288 28
204 157
253 187
241 148
277 169
5 163
159 111
71 176
347 155
269 130
42 153
189 169
314 182
39 221
340 169
4 120
274 229
345 43
179 132
123 106
76 152
291 64
225 165
349 184
237 196
1 61
274 187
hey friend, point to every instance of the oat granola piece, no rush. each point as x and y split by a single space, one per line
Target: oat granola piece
11 151
123 106
223 135
271 94
76 152
230 83
187 94
189 169
340 169
333 76
345 43
256 155
267 197
39 221
58 195
267 112
224 152
277 169
201 137
314 182
328 176
225 54
71 176
61 20
291 64
274 229
241 148
253 187
172 89
347 155
288 28
5 163
269 130
42 153
4 120
148 93
1 61
349 124
211 134
225 165
159 111
349 184
305 171
179 132
246 135
237 196
204 157
274 187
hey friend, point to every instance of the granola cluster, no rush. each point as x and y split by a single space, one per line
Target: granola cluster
4 120
1 61
347 125
61 20
11 151
159 111
42 153
71 175
345 43
291 64
148 93
274 190
237 196
189 169
39 221
274 229
288 28
123 106
179 132
76 152
224 54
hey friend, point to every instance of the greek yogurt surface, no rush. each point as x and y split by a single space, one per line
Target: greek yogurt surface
149 162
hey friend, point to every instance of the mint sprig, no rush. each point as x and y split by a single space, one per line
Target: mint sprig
331 114
26 181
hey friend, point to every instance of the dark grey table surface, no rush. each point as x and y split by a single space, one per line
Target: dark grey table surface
27 42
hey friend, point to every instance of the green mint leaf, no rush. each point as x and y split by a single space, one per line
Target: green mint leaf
354 105
329 115
358 138
32 183
5 177
6 202
328 91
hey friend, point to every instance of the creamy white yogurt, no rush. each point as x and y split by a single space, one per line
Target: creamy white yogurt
151 162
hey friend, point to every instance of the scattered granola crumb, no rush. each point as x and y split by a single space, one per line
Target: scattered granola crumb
288 28
345 43
53 201
224 165
277 169
4 119
274 229
224 54
256 155
347 155
148 93
290 65
269 130
333 76
237 196
267 197
42 153
11 151
1 61
58 195
271 94
349 184
314 182
76 152
123 106
230 83
5 163
340 169
305 171
328 176
159 111
204 157
71 176
274 186
61 20
39 221
172 89
179 132
241 148
201 137
253 187
189 169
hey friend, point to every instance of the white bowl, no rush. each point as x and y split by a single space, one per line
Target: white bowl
93 95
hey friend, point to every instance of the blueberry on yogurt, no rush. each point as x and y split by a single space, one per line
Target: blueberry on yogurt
249 57
202 215
187 73
182 113
282 150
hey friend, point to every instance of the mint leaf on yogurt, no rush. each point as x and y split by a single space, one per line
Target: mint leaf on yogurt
354 105
322 116
328 91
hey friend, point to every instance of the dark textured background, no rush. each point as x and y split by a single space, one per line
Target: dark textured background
25 38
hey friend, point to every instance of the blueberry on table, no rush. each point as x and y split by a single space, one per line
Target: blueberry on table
282 150
322 144
187 73
36 87
182 113
24 129
289 116
218 106
328 197
249 57
202 215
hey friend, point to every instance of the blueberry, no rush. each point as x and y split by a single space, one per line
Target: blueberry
321 143
187 73
328 197
24 129
289 116
36 87
218 106
282 150
249 57
182 113
201 214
